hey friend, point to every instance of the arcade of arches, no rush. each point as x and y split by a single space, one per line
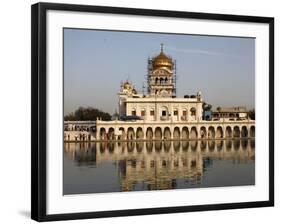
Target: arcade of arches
166 132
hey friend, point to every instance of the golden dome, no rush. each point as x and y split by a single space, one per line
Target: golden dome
162 60
127 86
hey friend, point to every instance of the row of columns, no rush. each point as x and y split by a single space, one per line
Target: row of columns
162 133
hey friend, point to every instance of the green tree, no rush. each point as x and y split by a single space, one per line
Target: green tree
87 114
206 106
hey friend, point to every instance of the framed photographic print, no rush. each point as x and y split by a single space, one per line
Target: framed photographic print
139 111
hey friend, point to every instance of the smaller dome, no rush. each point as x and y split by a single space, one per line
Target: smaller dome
127 85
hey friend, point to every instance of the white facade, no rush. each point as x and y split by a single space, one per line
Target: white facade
164 109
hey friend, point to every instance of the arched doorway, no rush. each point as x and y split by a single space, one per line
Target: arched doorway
167 133
219 133
122 135
176 134
149 134
140 134
236 132
185 134
244 132
111 134
158 133
156 81
228 132
193 133
211 132
130 134
102 134
252 131
203 132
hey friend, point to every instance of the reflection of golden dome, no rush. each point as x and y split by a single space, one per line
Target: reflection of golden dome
162 60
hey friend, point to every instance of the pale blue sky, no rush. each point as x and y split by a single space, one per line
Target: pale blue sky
95 62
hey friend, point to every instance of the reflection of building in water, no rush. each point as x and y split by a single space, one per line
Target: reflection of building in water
160 172
83 153
160 114
159 164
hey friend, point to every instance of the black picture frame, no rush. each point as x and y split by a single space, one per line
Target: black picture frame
39 107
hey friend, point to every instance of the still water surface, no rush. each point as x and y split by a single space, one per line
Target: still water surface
136 166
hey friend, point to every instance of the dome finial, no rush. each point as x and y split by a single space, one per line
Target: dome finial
162 47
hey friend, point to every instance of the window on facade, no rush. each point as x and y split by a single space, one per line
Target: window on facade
164 113
193 111
134 113
152 113
184 113
175 113
143 113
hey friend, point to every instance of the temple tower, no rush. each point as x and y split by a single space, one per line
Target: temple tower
161 79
